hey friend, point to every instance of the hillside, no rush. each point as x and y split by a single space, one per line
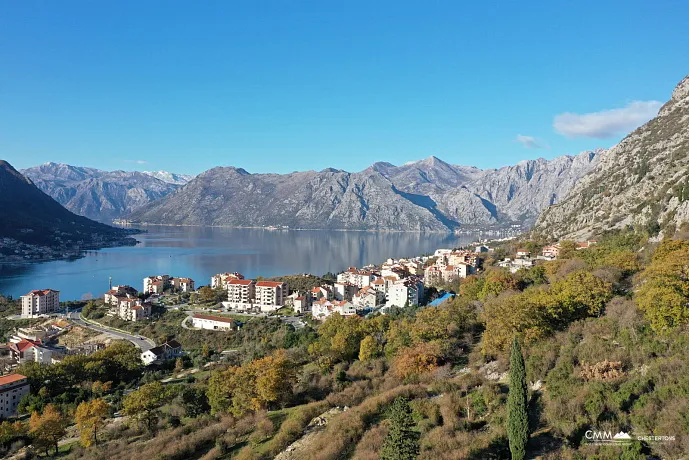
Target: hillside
102 195
642 181
428 195
32 221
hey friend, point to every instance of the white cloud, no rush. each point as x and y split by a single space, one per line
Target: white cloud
530 142
606 123
139 162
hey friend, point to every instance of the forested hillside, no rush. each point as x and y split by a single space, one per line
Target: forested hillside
603 332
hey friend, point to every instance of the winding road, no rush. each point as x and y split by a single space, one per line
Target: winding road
144 344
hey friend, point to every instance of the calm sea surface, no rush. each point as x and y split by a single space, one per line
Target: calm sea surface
201 252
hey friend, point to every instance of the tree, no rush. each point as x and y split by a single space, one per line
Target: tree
517 416
369 348
90 417
402 441
179 365
142 405
47 428
416 360
10 431
195 401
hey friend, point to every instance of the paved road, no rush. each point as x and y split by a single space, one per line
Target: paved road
144 345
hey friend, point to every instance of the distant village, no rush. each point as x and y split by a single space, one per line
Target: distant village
356 291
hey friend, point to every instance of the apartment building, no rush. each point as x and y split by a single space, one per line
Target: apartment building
345 291
40 302
221 279
358 278
156 284
270 295
240 294
12 388
183 284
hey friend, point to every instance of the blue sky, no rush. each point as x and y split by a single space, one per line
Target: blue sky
278 86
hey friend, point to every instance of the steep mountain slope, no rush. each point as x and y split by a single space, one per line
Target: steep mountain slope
30 217
642 181
428 195
170 178
328 199
100 195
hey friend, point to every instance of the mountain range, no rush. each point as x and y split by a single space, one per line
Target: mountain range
641 182
102 195
427 195
34 225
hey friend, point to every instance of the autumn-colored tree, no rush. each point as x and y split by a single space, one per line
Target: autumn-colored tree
339 338
99 388
369 348
47 428
254 386
143 404
274 376
179 365
398 336
9 431
90 418
416 360
664 292
205 351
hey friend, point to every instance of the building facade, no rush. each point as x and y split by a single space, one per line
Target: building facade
40 302
12 388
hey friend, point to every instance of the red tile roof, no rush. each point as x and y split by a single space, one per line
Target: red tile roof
11 378
269 284
41 292
241 282
25 344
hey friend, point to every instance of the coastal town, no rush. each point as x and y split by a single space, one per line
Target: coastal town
357 291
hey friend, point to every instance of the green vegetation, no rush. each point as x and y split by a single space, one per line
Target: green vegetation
517 416
402 440
601 335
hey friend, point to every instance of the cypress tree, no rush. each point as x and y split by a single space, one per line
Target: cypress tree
402 441
517 416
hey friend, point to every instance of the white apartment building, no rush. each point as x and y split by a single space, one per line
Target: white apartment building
404 293
40 302
358 278
270 295
240 294
156 284
12 388
344 291
368 297
221 279
183 284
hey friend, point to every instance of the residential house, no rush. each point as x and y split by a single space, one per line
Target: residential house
40 302
214 323
322 292
323 308
168 350
551 251
523 253
13 388
30 350
302 304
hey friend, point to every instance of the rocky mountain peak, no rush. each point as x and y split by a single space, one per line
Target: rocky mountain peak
681 91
